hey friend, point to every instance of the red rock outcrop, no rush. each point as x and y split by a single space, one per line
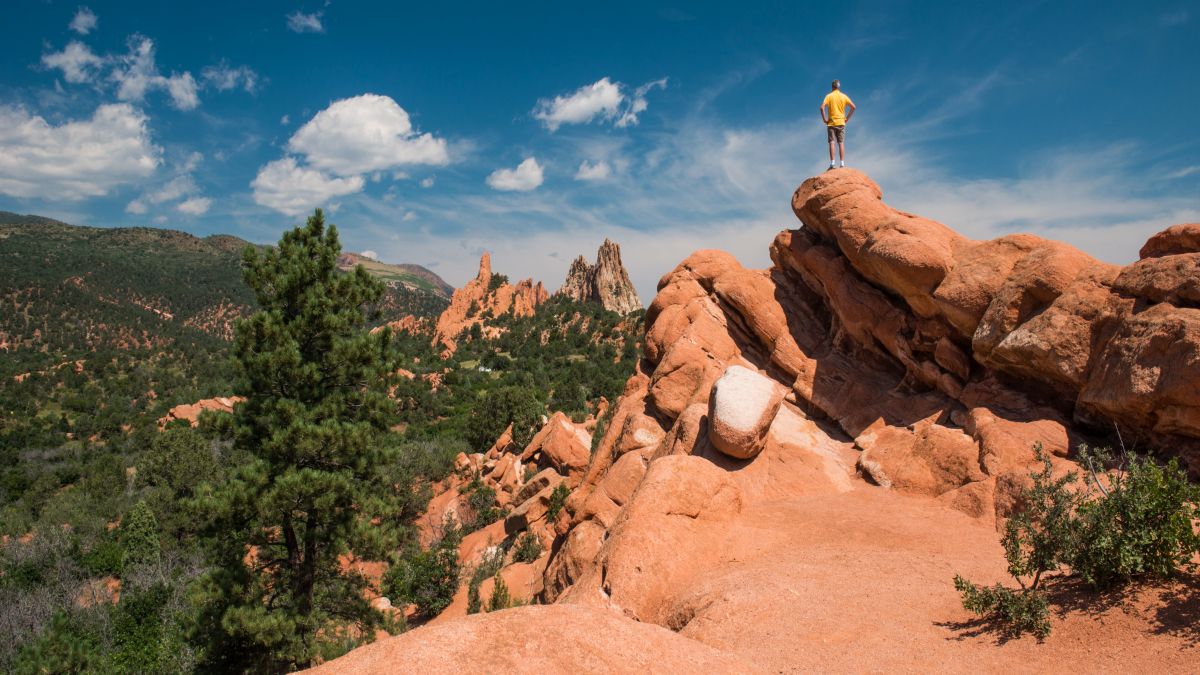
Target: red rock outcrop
913 359
605 283
191 411
918 370
477 298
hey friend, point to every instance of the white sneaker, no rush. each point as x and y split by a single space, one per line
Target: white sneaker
830 166
843 165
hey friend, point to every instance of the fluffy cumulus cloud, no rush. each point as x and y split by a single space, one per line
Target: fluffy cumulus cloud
224 77
195 206
85 158
363 134
526 177
370 254
76 61
336 150
604 100
84 22
292 189
299 22
136 74
597 171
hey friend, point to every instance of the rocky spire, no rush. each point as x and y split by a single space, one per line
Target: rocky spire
606 282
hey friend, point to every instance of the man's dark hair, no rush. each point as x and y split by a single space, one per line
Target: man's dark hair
837 84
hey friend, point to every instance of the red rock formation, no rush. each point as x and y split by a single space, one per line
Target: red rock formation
917 359
606 283
822 531
470 303
191 411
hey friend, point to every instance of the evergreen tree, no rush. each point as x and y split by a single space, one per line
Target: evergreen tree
139 535
315 381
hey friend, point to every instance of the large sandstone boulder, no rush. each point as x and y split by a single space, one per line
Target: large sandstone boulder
741 408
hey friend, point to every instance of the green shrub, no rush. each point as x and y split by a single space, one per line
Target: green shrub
105 558
558 498
1018 611
1140 527
489 564
482 508
427 578
1039 538
500 596
528 548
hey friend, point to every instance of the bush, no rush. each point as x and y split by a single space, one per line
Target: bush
1140 527
500 597
528 548
1037 539
489 564
1022 611
427 578
558 499
482 508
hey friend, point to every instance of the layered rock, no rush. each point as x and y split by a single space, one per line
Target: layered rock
478 298
605 283
913 358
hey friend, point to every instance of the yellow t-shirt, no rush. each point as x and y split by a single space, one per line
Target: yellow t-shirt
836 102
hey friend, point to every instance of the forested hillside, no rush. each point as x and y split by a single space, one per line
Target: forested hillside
106 541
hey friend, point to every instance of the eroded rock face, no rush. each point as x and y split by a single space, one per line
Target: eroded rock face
478 298
920 360
606 283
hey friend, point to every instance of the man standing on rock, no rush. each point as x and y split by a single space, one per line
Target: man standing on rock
835 121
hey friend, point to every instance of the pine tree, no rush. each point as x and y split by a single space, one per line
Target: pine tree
315 381
139 536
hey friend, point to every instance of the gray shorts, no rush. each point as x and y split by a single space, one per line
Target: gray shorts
838 132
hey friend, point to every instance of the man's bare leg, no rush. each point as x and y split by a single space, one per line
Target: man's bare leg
841 153
831 144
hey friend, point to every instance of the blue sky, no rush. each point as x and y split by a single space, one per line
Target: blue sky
534 130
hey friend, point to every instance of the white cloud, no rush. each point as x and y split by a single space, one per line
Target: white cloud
174 189
598 171
409 217
427 182
292 189
638 103
370 254
285 120
603 99
299 22
363 134
136 73
196 206
85 158
527 176
84 22
136 207
76 61
225 77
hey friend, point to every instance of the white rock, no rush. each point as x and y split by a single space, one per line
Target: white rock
741 407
